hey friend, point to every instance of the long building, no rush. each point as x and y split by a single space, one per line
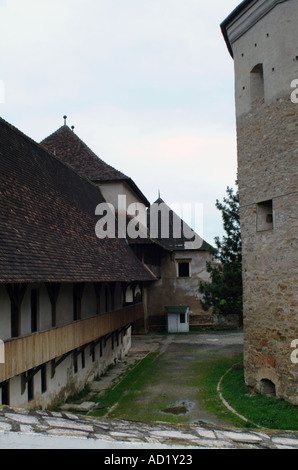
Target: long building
63 311
69 298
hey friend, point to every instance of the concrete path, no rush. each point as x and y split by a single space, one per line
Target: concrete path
20 429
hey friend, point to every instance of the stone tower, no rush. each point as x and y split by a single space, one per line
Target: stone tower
261 36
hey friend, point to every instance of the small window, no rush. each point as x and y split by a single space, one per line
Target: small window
43 378
264 216
4 389
30 388
182 318
92 352
257 83
75 364
15 320
183 269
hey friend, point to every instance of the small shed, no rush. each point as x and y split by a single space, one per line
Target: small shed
178 319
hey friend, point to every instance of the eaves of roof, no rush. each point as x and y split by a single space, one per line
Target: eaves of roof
230 18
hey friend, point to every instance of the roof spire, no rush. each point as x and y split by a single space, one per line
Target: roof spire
65 117
159 194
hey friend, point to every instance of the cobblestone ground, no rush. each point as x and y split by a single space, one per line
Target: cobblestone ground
65 429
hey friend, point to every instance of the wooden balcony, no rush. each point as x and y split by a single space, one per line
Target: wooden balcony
28 352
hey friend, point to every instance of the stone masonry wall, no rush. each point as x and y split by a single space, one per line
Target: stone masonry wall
267 165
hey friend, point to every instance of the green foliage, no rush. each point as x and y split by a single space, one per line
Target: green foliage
224 291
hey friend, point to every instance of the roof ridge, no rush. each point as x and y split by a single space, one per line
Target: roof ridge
87 148
71 148
39 145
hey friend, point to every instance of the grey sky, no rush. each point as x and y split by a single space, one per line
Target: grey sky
148 85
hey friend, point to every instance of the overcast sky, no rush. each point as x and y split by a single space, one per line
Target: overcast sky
148 85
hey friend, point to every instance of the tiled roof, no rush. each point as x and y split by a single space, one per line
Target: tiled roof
67 146
47 221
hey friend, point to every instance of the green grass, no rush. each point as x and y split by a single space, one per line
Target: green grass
79 396
132 402
206 375
270 413
126 388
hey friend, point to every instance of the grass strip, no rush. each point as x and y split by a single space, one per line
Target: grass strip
131 382
206 376
270 413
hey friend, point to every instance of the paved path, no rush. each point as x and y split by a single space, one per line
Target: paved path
22 429
44 429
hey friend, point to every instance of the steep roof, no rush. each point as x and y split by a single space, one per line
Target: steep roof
172 243
47 221
67 146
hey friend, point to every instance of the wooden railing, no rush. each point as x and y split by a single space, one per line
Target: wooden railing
27 352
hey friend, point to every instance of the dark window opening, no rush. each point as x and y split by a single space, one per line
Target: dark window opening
30 388
182 318
92 353
43 378
83 359
264 216
5 393
15 327
268 388
75 364
183 269
257 83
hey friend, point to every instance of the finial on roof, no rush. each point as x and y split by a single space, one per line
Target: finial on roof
65 117
72 128
159 194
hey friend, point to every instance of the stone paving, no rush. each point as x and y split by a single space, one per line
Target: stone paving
200 436
68 423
